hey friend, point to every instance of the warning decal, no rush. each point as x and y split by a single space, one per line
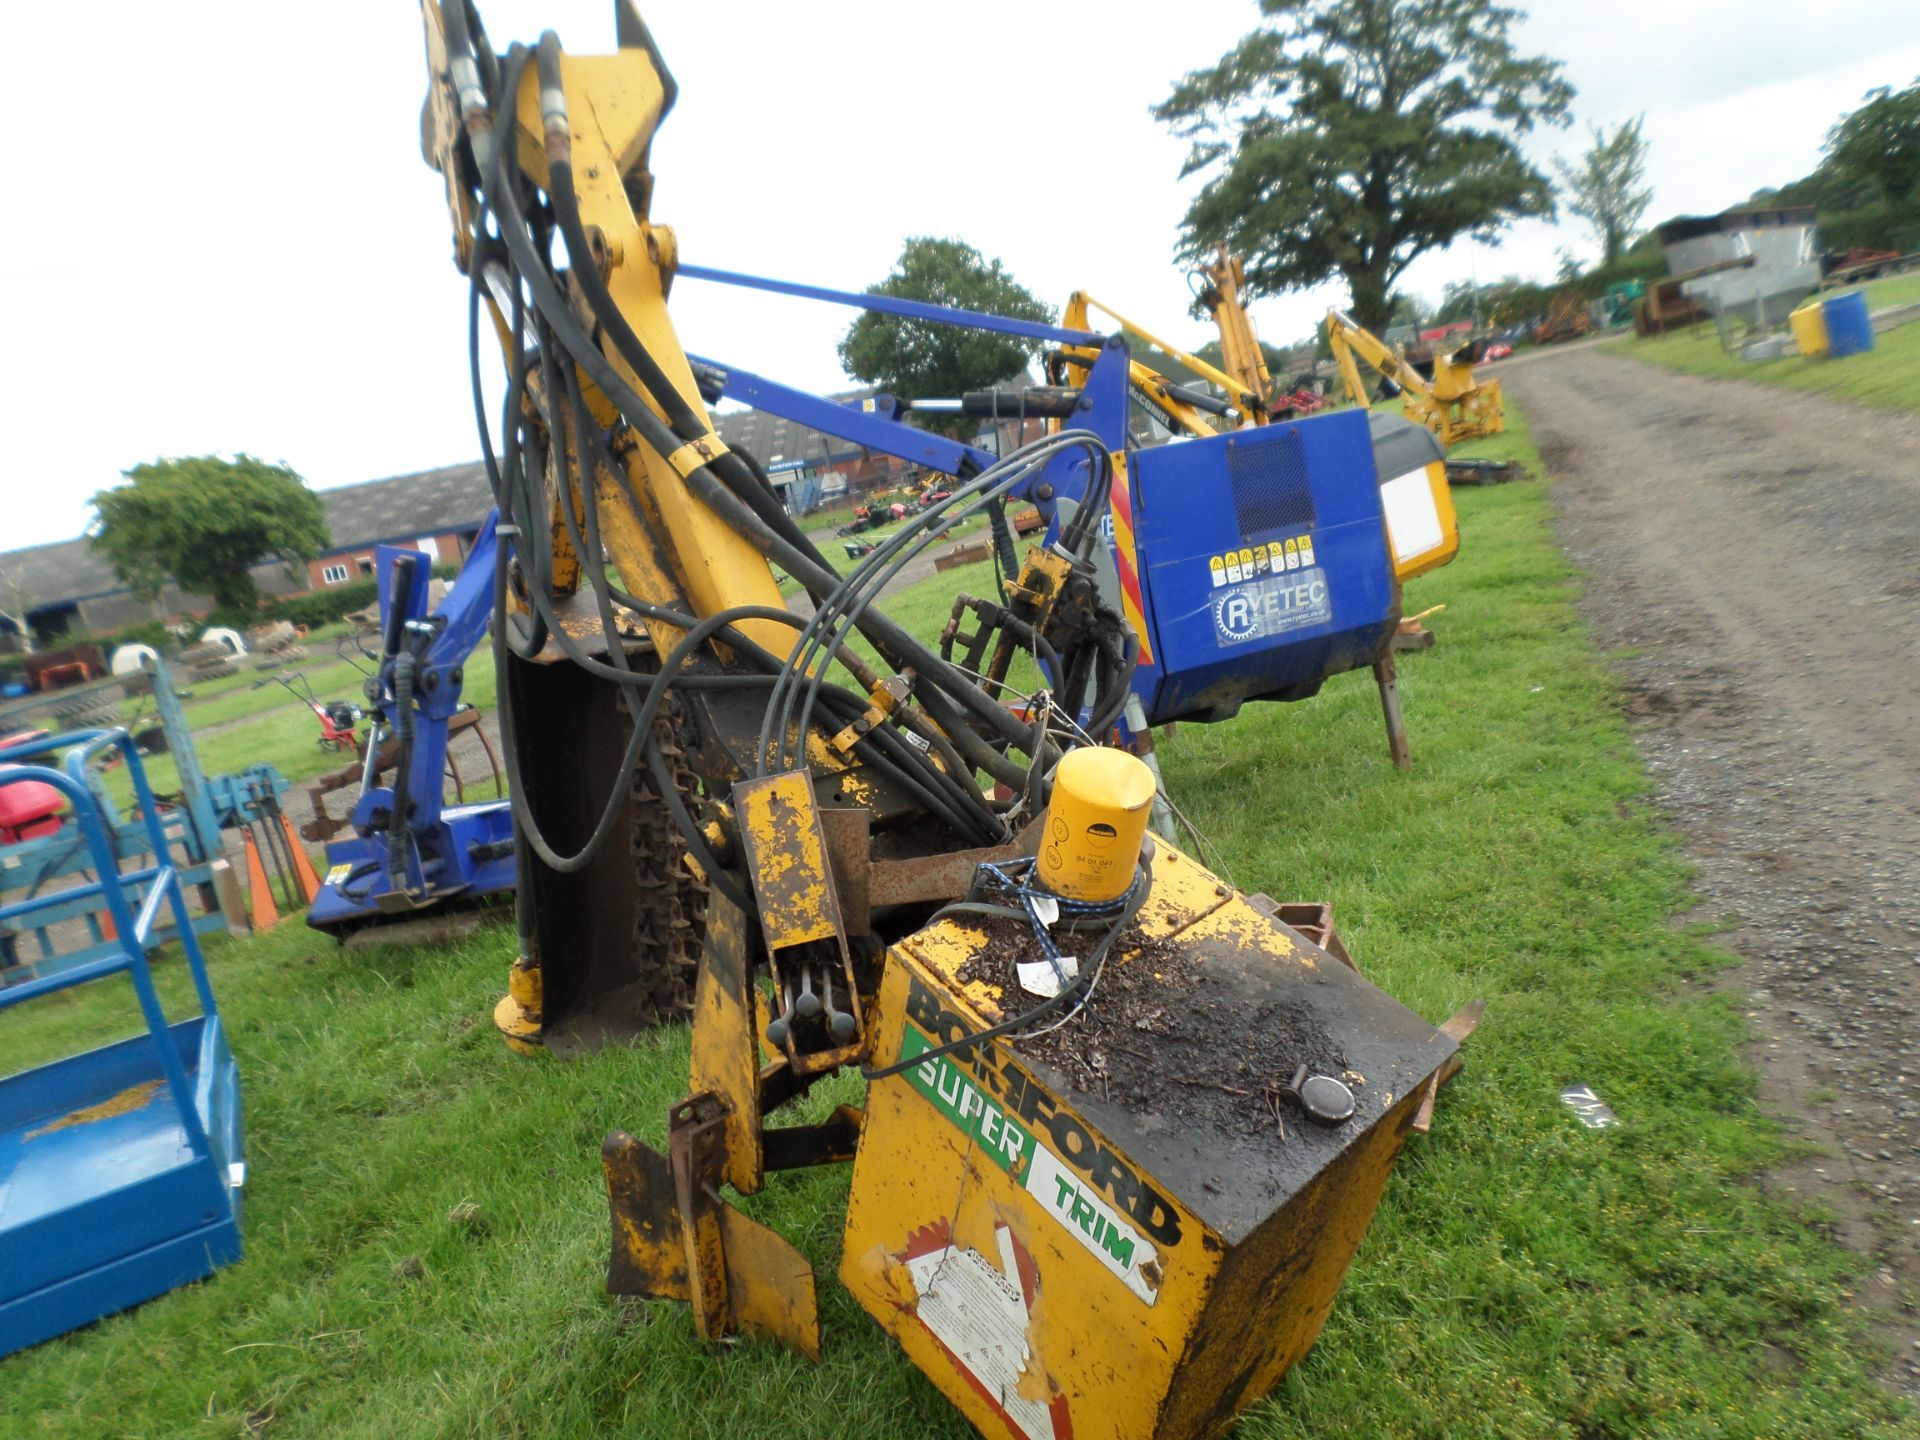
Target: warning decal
1270 557
1271 604
978 1312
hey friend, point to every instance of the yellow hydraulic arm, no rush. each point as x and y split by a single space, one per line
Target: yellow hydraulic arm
1240 351
1455 406
1147 381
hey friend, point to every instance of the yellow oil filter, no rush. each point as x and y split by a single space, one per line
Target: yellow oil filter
1102 800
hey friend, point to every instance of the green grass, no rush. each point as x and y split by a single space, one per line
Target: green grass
1524 1278
1887 377
238 723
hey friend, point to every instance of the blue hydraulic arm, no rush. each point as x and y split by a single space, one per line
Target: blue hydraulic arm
891 305
408 849
876 428
1103 404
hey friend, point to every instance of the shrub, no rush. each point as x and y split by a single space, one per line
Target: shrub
319 607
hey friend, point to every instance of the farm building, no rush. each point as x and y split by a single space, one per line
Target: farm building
68 585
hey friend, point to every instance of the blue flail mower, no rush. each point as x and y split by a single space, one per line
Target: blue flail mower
120 1168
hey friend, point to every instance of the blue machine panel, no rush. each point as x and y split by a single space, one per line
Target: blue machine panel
1264 561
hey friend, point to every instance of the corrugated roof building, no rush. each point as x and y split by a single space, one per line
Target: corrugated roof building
67 583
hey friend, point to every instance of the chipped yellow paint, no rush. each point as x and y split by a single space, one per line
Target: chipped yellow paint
788 857
1164 1350
134 1097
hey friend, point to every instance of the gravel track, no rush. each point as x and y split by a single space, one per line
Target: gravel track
1755 553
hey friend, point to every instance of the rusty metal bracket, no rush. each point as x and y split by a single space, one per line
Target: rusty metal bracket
1311 920
696 1150
794 1147
674 1238
1457 1028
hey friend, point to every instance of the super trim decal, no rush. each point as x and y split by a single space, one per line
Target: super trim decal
1072 1201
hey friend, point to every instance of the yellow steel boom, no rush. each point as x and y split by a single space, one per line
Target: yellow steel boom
1454 405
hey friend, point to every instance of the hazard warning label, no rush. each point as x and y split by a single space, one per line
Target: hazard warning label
978 1312
1270 557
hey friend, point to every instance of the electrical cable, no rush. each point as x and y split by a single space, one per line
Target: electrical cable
1075 995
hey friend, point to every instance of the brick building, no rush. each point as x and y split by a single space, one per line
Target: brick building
68 585
437 512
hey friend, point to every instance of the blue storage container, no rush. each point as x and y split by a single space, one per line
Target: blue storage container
1849 326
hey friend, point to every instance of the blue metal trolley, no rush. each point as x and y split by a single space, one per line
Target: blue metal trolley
120 1168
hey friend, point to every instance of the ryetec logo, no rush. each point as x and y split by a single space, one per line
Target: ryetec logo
1271 606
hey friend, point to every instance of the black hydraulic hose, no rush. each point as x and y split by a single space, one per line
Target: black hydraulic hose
527 826
403 668
680 416
989 484
1006 551
902 649
871 580
510 494
686 423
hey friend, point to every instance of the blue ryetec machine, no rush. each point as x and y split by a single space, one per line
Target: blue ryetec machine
410 850
1249 565
121 1168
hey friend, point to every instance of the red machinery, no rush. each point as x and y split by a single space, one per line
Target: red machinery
27 807
338 718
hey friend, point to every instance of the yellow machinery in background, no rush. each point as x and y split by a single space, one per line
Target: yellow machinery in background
1220 292
1454 404
1124 1128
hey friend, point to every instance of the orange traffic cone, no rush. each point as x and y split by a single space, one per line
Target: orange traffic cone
303 875
259 893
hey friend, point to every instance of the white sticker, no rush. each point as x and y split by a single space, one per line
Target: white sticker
1271 606
980 1314
1413 519
1038 977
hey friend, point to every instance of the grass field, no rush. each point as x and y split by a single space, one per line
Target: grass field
1888 377
239 721
426 1227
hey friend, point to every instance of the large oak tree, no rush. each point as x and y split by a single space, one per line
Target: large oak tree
1345 138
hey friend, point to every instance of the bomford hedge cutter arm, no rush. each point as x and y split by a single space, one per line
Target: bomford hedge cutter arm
652 692
725 809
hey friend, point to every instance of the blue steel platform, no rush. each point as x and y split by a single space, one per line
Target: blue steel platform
120 1168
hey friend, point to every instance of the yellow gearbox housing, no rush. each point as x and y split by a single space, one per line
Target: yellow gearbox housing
1134 1232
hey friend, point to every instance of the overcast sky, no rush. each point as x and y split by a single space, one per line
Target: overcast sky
225 240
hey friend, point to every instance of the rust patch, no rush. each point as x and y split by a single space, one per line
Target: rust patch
134 1097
